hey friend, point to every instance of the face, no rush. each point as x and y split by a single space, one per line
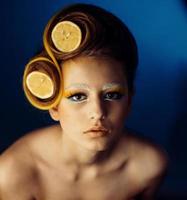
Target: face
95 96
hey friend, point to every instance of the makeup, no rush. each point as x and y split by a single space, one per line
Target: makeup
79 86
116 88
81 90
108 86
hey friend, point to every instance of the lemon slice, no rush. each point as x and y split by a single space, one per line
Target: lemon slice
40 84
66 36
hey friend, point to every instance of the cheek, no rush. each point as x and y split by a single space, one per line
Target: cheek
119 112
70 116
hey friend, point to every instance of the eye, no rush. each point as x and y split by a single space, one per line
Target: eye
113 95
77 97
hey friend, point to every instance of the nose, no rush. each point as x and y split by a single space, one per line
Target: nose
97 109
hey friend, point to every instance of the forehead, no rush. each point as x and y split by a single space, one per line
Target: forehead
93 70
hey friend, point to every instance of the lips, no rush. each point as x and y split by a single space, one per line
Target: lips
97 132
99 129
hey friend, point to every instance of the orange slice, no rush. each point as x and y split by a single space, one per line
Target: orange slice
40 84
66 36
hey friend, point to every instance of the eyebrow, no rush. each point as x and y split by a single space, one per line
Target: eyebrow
78 85
85 86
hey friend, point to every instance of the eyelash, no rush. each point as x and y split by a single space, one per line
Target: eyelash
119 95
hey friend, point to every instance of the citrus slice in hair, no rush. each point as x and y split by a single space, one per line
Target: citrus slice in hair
40 84
66 36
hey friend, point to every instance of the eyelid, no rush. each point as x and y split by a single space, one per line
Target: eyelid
120 90
119 94
72 92
75 91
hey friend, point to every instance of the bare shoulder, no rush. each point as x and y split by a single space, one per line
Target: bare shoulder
148 163
150 160
18 171
32 142
24 145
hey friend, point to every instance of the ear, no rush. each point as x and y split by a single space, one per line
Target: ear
54 113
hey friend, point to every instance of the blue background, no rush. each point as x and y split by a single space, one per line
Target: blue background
160 103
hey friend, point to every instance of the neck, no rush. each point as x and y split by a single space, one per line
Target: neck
74 153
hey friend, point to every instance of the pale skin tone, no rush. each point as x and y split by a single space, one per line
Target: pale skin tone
65 162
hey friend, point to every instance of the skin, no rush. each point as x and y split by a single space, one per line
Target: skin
66 162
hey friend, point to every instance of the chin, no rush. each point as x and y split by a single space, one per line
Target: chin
97 145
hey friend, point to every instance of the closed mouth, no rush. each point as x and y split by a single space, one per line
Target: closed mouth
97 130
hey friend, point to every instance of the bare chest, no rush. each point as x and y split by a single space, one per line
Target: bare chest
116 186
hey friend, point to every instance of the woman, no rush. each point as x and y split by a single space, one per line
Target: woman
84 78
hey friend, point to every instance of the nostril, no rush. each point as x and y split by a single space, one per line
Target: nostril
97 109
98 117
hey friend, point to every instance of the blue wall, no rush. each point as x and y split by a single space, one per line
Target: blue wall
160 104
